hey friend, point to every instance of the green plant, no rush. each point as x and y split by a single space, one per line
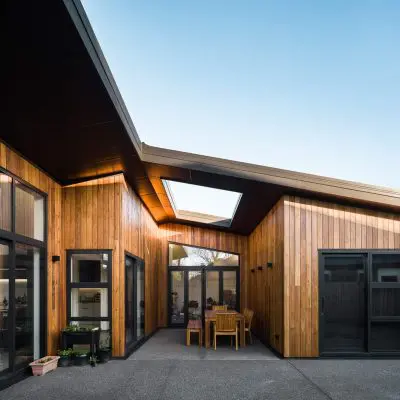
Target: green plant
80 353
93 360
76 328
44 360
105 341
65 353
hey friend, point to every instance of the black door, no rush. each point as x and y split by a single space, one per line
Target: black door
193 290
343 304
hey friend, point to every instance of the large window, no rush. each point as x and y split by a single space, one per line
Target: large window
89 291
22 275
189 256
198 279
134 299
385 302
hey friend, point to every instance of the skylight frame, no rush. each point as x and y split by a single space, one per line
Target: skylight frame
195 216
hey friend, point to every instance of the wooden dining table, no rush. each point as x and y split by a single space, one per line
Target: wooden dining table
210 316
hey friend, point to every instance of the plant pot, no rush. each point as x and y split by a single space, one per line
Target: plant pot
104 355
81 360
44 365
64 361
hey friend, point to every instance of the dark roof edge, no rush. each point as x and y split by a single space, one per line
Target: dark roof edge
84 28
290 179
296 180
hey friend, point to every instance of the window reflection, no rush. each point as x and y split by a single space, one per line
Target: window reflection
27 295
4 306
5 202
180 256
29 212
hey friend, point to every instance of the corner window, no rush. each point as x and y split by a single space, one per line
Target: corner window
189 256
29 212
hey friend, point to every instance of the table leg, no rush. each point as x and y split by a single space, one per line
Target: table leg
242 333
207 333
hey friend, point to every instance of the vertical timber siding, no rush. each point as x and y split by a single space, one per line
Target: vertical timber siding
17 165
107 214
311 225
266 285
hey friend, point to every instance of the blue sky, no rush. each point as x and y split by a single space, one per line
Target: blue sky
311 86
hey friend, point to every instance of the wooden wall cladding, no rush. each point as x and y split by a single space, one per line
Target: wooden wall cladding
140 238
202 237
17 165
311 225
107 214
265 294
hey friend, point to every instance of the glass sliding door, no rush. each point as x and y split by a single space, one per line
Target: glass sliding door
177 298
27 293
195 295
5 339
212 289
230 289
134 299
22 287
139 301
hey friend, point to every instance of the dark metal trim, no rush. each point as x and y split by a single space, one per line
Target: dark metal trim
206 248
83 285
135 342
367 255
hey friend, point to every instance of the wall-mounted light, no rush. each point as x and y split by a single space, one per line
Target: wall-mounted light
55 259
260 268
269 264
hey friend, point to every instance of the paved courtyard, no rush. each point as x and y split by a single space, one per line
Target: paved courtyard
165 369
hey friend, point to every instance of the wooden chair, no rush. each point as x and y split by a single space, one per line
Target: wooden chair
220 308
248 317
225 325
194 326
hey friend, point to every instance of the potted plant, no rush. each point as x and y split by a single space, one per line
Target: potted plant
81 358
105 349
65 357
44 365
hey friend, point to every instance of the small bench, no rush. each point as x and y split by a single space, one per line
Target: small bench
196 327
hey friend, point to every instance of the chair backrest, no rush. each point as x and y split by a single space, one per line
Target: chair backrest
225 322
248 316
220 308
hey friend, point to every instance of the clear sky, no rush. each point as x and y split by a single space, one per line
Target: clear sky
311 86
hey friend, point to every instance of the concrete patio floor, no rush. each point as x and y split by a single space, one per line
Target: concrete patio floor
195 374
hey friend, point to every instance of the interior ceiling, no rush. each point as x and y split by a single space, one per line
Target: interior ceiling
65 114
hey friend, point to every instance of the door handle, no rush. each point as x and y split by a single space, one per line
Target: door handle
322 304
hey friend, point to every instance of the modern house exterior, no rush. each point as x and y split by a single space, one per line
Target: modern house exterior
90 232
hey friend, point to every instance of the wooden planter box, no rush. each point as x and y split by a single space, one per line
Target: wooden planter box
39 369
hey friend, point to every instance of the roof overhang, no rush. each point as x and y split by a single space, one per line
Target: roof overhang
65 114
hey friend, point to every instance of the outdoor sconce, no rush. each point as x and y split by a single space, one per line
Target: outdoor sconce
252 270
269 264
55 259
260 268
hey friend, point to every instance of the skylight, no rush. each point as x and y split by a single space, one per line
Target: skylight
201 203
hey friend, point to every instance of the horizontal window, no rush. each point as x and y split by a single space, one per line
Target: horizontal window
386 268
89 268
89 303
5 202
181 255
29 213
385 336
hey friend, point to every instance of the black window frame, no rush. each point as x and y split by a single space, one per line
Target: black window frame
135 342
370 284
88 285
203 269
11 238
